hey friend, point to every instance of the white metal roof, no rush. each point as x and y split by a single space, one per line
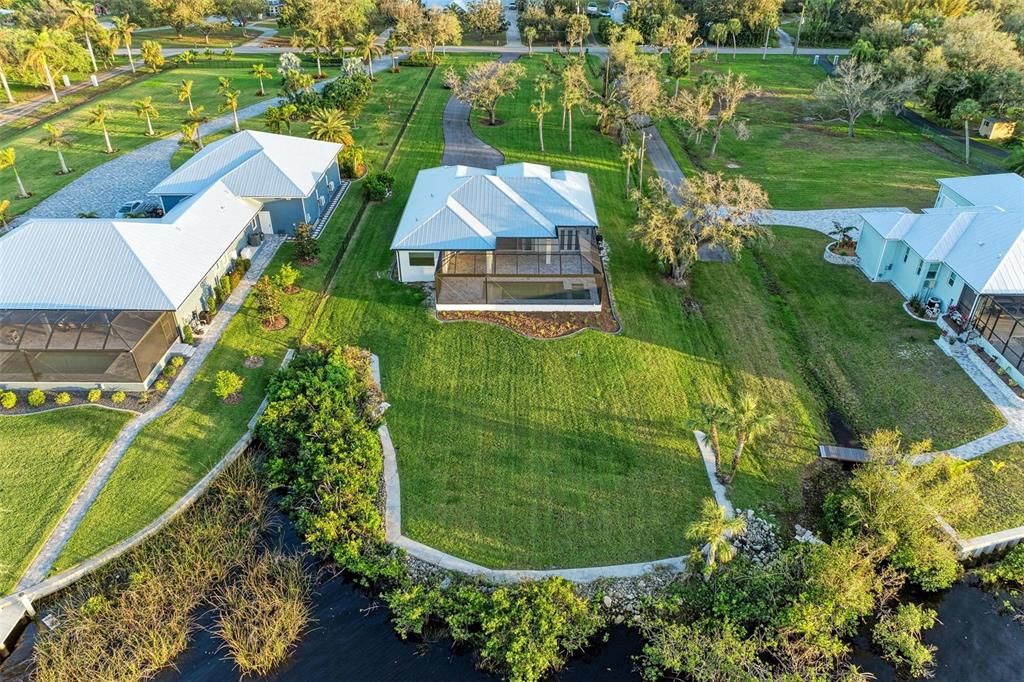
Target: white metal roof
466 208
254 164
120 264
1005 190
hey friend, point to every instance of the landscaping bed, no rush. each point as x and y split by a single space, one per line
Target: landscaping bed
998 370
538 325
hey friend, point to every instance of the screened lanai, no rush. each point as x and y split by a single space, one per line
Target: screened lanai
76 347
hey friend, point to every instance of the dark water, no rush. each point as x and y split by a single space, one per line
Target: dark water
842 434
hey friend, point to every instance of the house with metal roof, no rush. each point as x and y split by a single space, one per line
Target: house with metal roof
963 257
100 302
293 177
517 238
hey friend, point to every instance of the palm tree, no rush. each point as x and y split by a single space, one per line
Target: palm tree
749 423
58 140
190 132
98 116
223 85
340 49
82 17
366 49
5 205
717 34
123 29
231 104
274 119
964 112
713 530
540 108
196 117
734 26
329 125
711 419
259 72
145 108
3 81
37 58
288 112
185 94
311 41
391 48
7 159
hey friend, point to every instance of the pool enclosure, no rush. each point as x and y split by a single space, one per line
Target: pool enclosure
82 348
1000 321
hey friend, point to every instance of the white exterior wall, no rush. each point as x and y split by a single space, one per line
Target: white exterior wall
194 301
410 273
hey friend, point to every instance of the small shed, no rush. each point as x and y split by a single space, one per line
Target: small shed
997 128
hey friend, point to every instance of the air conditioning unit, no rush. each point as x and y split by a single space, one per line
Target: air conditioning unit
330 185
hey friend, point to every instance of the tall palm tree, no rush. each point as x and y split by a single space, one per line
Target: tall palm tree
185 94
340 50
749 423
329 125
713 530
123 29
259 72
231 104
311 41
37 58
98 116
82 17
58 140
7 159
734 26
366 49
145 108
711 417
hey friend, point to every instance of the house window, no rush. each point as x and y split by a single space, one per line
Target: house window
906 253
421 259
919 264
952 279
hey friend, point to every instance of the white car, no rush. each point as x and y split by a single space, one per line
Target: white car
130 208
592 8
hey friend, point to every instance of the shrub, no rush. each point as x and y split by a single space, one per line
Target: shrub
160 385
234 278
118 397
378 185
187 335
94 395
36 397
268 300
143 398
286 277
421 59
606 29
1009 569
349 92
243 265
8 400
62 398
306 248
898 635
177 361
169 370
352 161
227 384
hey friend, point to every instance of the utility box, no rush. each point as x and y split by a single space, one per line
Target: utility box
996 128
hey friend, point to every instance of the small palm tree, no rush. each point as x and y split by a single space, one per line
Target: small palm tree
273 118
190 133
185 94
711 419
366 49
749 423
58 140
288 113
391 48
82 17
718 33
734 26
329 125
122 34
231 104
194 120
98 116
259 72
7 160
144 108
223 85
843 233
713 530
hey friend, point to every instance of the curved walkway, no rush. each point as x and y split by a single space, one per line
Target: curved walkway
461 145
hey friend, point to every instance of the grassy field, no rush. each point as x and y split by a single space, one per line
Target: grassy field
46 459
804 163
38 165
193 38
1000 477
176 450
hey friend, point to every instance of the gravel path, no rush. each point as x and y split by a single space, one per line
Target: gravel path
461 145
48 553
821 221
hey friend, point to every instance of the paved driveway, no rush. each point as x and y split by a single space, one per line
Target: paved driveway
461 145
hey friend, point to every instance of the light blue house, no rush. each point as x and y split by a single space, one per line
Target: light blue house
966 254
293 177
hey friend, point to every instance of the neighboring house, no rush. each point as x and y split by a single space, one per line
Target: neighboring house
966 255
88 303
617 10
273 8
294 178
518 238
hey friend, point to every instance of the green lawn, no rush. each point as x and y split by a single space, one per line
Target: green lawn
807 164
171 454
1000 477
46 459
191 37
37 164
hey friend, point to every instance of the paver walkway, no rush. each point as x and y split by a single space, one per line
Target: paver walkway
48 553
461 145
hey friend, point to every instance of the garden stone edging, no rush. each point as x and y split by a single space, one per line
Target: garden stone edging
435 557
836 259
23 598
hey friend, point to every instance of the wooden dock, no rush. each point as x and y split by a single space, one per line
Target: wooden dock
841 454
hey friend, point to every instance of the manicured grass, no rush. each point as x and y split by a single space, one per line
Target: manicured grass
1000 477
38 164
171 454
193 38
46 459
805 163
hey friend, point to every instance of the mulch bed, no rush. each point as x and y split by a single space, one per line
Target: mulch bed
293 289
539 325
846 251
994 366
276 324
253 361
233 399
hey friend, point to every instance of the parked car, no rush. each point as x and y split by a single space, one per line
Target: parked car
605 13
513 6
130 208
592 8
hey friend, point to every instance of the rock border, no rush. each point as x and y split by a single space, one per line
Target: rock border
836 259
